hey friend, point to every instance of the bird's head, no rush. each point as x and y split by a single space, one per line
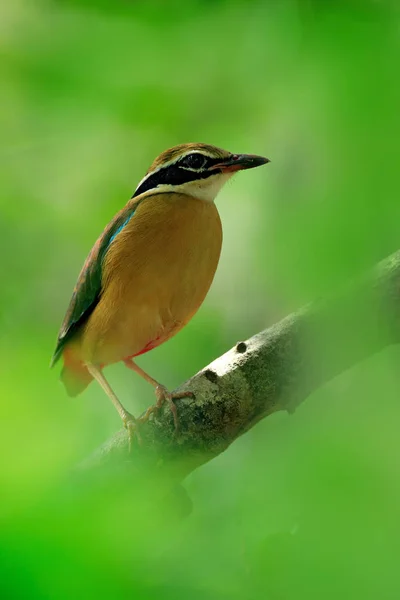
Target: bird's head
199 170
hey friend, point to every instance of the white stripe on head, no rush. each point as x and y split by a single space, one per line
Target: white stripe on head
172 162
203 189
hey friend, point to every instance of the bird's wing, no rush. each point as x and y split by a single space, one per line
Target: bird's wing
88 287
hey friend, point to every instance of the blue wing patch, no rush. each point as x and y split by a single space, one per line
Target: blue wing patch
120 228
87 290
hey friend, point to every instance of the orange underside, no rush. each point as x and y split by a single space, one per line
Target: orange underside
160 269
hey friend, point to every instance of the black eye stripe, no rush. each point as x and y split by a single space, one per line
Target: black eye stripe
175 175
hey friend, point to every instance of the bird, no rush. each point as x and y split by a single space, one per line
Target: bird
148 272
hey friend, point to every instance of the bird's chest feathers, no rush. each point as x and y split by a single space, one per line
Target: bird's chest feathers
164 260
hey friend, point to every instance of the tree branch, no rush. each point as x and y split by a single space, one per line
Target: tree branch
275 370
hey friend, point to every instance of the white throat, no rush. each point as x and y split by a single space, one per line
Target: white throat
204 189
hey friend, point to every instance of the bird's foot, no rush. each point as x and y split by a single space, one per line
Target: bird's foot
163 395
131 424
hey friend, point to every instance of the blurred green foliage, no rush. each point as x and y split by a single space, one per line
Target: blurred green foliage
300 507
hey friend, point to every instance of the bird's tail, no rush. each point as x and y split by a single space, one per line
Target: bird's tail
74 374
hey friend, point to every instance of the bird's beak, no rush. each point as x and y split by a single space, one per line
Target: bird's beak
238 162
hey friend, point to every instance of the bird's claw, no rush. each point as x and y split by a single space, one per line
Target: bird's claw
163 395
132 427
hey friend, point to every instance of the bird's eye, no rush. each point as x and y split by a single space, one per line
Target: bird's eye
194 161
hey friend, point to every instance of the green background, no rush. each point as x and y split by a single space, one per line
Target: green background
305 506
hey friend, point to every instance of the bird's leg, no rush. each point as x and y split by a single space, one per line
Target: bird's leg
129 421
162 394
